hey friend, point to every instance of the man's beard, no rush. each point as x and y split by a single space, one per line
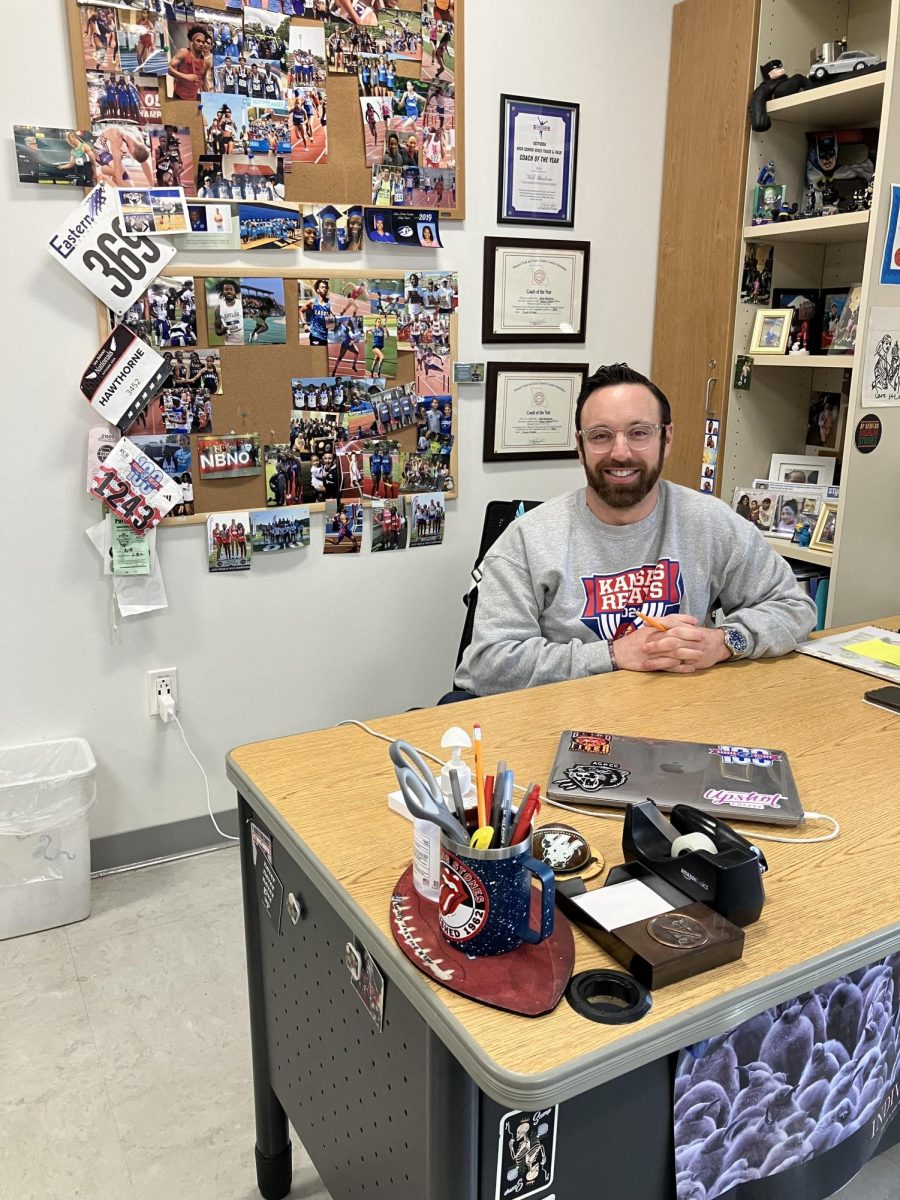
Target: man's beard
624 495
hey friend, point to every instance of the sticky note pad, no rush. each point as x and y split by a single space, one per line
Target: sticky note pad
622 903
886 652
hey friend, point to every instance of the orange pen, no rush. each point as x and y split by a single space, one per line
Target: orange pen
652 621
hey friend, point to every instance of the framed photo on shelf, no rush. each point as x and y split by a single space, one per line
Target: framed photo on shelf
538 159
529 410
767 198
756 277
804 303
844 340
830 309
825 422
823 535
534 291
771 331
799 468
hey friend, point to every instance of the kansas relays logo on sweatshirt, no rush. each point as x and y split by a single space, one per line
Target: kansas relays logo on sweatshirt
612 602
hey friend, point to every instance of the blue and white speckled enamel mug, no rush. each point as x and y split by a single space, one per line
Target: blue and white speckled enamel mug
485 901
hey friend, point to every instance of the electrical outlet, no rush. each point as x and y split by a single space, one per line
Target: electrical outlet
163 682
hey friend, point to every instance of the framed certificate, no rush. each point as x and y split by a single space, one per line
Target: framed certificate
538 151
529 410
534 291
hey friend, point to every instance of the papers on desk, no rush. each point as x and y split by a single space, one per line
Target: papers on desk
870 649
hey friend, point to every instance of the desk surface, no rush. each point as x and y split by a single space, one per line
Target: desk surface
830 907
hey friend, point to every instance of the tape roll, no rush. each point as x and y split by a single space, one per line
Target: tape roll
687 843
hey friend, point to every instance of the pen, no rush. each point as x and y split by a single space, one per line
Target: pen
479 778
490 799
526 814
506 811
653 621
457 797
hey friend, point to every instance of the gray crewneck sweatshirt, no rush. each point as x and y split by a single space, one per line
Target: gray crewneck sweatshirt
559 583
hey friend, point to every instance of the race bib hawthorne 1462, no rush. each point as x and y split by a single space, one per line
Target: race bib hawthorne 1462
116 266
133 487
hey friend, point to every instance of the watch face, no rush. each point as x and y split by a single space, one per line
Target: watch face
736 642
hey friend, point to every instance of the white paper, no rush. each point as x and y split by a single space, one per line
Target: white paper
134 593
880 364
116 266
622 904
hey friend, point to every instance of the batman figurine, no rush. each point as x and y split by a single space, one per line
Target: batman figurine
776 83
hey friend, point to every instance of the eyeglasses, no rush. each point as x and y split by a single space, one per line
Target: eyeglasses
638 436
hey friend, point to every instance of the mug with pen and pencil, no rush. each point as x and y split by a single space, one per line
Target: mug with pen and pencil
482 880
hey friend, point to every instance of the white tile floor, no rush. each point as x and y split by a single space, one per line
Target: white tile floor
125 1056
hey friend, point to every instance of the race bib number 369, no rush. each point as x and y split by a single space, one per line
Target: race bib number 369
116 266
133 487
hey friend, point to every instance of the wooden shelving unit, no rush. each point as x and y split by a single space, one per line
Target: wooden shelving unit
799 553
852 101
825 253
819 362
820 231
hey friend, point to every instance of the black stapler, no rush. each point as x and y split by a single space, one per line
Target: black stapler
726 875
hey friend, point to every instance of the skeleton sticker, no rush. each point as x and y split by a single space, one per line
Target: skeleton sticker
592 777
526 1151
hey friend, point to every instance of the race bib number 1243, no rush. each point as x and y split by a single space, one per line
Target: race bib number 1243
116 266
133 487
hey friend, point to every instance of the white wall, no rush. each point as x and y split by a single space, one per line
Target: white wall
300 644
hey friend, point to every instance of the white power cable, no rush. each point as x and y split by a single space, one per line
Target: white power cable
605 816
167 712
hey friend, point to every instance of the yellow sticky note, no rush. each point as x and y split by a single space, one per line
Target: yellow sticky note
888 652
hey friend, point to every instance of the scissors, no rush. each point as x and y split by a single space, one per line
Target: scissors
421 792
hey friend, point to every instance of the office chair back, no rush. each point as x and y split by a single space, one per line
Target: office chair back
497 515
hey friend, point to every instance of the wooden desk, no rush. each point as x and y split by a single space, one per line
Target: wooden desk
830 907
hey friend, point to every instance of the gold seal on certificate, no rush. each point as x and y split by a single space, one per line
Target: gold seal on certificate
530 410
534 290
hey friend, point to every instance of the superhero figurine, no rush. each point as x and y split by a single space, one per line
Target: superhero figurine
776 83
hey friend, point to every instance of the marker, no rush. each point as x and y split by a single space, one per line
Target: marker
652 621
479 778
506 811
457 797
526 814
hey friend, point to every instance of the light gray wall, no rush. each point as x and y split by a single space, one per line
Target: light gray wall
300 644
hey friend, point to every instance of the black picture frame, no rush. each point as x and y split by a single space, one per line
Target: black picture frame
496 376
539 247
512 107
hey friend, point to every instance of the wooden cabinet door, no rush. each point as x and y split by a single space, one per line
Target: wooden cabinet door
711 76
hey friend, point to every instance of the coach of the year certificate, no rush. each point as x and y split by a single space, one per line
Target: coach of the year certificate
537 291
536 412
538 156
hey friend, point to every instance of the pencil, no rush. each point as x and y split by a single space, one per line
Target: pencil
479 778
654 623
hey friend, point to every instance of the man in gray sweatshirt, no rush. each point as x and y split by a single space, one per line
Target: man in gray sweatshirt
565 586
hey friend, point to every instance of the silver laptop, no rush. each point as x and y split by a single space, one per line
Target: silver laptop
744 783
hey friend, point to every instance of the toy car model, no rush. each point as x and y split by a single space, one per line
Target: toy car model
848 63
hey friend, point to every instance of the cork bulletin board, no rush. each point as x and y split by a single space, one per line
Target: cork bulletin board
344 179
256 392
256 379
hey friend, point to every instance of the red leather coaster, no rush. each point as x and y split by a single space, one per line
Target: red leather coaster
528 981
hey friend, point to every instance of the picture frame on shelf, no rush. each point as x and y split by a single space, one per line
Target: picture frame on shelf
756 276
534 290
824 533
800 468
538 161
831 305
767 200
804 303
529 411
844 340
825 421
771 331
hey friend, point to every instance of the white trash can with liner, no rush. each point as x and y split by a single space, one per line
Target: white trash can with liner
46 793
